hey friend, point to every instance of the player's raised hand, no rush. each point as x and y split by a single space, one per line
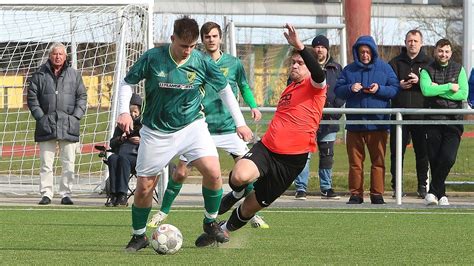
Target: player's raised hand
125 122
292 37
245 133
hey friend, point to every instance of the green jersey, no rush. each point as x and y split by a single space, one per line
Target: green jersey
218 118
174 93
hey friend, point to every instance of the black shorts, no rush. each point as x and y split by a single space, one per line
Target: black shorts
277 172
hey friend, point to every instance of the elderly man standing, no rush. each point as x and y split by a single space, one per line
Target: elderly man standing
368 82
57 100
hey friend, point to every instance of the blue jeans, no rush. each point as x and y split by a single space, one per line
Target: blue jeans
325 174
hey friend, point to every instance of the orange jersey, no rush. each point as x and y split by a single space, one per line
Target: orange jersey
297 117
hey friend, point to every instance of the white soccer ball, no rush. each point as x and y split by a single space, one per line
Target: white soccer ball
166 239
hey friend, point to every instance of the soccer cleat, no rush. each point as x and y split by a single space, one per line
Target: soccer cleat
258 222
213 229
329 194
137 242
227 202
205 240
157 219
443 201
354 199
44 201
431 199
300 195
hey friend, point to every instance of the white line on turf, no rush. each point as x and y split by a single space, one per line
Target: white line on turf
420 212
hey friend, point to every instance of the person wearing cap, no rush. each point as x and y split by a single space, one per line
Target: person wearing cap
326 135
124 156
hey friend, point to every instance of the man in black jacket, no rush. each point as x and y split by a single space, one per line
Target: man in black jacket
407 66
57 100
326 135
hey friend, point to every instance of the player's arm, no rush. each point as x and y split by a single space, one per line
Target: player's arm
228 98
318 79
124 120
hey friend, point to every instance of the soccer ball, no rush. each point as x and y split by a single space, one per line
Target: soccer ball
166 239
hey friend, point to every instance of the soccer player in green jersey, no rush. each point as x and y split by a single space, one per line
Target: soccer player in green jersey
220 122
173 123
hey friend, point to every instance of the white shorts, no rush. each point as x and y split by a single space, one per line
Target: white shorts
157 148
231 143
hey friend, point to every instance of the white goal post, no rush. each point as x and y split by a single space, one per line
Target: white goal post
103 40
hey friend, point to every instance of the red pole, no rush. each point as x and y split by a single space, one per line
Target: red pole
357 14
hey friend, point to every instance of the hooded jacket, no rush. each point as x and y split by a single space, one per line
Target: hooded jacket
57 103
402 66
377 71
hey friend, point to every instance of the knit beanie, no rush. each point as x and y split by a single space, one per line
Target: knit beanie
320 40
136 100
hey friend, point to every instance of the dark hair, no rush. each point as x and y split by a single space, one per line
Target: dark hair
414 32
443 42
208 26
186 29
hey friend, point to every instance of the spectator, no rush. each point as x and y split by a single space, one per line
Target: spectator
326 135
407 67
123 160
444 84
368 82
57 100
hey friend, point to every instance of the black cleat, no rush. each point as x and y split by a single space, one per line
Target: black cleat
205 240
137 242
214 230
227 202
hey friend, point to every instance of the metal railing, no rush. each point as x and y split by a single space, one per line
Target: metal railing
398 122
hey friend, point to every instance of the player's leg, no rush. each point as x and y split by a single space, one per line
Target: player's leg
175 183
156 150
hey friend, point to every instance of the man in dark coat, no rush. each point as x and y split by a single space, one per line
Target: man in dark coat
57 100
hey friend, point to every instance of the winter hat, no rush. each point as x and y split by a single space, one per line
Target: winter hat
320 40
136 100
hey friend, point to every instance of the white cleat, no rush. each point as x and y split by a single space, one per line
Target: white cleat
443 201
157 219
431 199
258 222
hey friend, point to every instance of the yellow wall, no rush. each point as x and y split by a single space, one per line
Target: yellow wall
11 87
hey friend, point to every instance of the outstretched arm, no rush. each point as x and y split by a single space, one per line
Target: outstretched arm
317 74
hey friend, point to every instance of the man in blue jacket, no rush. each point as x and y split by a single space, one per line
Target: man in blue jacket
368 82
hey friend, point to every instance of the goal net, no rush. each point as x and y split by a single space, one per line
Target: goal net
102 41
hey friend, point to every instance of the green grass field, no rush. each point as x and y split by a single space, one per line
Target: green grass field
97 236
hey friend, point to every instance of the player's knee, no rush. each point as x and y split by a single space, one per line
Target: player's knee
180 174
238 178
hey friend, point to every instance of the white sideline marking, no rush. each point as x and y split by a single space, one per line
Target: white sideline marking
265 211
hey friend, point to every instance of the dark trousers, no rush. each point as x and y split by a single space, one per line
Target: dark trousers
418 138
443 143
120 167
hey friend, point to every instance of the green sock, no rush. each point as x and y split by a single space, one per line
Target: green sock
212 201
248 189
139 217
172 190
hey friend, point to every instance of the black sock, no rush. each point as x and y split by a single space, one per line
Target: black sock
236 220
234 187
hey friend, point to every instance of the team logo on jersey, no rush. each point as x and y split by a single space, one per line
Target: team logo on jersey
285 100
225 71
162 74
191 77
